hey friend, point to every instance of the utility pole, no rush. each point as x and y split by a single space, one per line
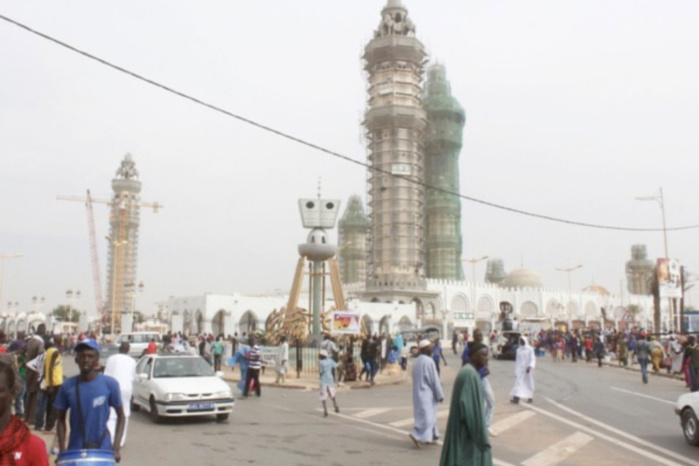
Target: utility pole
660 199
473 263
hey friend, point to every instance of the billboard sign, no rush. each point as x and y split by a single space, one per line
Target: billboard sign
345 323
669 278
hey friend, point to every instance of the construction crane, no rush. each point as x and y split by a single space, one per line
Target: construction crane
88 200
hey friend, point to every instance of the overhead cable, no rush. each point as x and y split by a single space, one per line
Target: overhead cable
325 150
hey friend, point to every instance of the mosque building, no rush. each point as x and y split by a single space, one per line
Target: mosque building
400 255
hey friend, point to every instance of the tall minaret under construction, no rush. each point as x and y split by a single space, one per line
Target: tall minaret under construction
124 221
395 123
443 139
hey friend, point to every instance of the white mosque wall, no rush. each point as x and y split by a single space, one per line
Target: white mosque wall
547 307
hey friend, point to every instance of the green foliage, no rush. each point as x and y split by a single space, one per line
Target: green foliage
66 314
138 317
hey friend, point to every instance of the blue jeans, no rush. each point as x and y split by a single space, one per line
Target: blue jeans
489 401
40 415
374 368
693 378
19 401
644 368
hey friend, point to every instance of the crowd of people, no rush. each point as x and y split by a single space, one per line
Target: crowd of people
35 394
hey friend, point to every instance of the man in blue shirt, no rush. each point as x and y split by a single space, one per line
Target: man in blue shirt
89 396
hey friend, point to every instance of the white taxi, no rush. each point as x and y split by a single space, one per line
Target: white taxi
180 385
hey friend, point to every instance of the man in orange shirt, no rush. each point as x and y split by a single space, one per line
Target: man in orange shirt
152 347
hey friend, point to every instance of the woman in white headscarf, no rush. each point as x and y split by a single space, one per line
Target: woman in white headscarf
524 372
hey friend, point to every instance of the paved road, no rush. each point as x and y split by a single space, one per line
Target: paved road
582 415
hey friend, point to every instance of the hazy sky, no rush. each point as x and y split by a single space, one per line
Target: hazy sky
573 109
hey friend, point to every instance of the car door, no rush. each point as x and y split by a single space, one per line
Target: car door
140 386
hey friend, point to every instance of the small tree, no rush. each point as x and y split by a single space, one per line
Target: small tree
66 314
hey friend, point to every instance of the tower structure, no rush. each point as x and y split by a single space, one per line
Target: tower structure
124 221
640 271
354 226
395 124
443 141
495 271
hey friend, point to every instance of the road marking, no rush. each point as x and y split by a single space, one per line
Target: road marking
559 451
643 442
511 421
643 395
617 442
371 412
498 462
410 421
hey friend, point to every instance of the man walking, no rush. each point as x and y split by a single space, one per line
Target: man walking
427 393
89 396
525 363
283 366
122 367
217 351
484 372
642 351
33 348
254 366
53 376
466 440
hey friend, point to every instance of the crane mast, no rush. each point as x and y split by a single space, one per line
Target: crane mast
96 280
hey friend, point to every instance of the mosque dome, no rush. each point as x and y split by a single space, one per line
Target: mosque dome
522 278
600 290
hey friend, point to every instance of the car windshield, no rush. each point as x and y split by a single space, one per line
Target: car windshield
182 367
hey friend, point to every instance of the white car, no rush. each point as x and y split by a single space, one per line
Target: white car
138 342
687 408
180 385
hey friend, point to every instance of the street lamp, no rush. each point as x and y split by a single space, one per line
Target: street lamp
473 263
569 270
115 244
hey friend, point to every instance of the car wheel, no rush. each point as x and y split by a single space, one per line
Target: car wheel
222 417
155 417
690 427
135 407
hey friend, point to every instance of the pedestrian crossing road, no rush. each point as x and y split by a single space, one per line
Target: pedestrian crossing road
581 415
551 432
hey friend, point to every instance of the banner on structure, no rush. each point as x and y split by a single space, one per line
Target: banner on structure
345 323
669 278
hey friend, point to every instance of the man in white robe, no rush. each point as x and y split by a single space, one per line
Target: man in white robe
524 372
122 367
676 353
427 393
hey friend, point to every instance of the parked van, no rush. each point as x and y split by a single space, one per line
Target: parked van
138 341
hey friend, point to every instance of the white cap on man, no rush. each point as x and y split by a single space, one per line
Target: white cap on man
424 343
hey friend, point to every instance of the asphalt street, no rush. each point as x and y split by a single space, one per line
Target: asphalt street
582 415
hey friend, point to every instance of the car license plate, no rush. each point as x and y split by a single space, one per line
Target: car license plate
200 406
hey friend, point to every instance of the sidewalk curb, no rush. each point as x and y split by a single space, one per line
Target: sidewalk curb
650 372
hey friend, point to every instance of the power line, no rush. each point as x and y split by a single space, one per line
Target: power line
323 149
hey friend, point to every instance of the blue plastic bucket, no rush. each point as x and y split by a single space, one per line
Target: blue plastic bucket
86 457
